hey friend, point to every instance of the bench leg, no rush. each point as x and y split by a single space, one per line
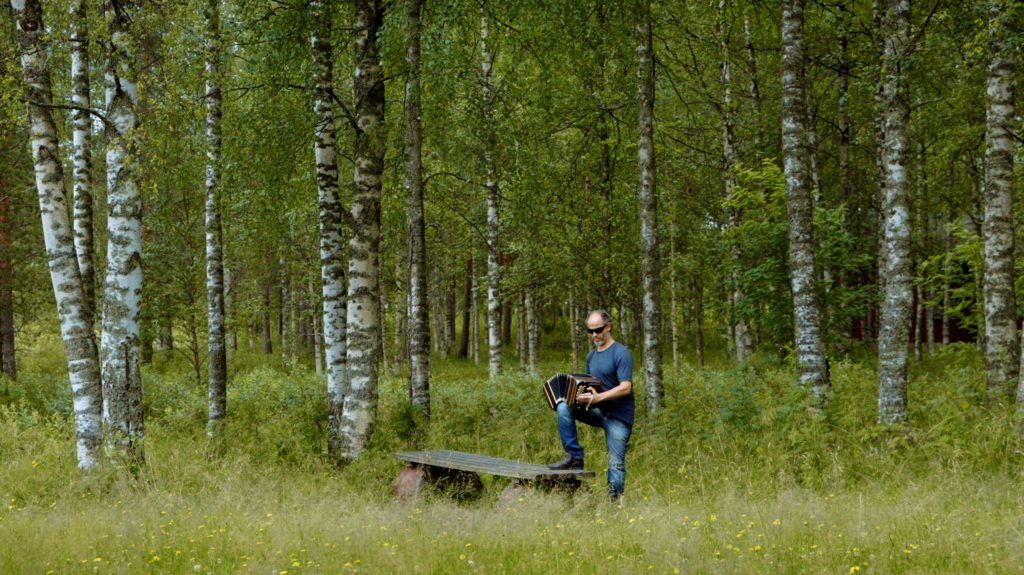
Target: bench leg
513 492
409 482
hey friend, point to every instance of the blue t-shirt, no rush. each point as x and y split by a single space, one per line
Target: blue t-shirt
613 366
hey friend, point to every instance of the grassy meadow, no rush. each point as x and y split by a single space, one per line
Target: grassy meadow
734 477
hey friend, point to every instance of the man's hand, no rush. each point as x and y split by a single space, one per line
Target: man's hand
587 396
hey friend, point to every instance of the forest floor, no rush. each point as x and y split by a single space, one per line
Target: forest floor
735 476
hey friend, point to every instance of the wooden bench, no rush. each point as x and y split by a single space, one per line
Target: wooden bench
459 473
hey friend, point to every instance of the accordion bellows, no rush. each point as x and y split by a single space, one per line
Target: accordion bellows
565 386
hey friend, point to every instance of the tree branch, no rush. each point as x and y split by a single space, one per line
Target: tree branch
91 111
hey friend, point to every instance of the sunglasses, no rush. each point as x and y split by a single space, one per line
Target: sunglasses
597 329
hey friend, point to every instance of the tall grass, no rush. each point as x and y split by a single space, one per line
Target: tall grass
735 477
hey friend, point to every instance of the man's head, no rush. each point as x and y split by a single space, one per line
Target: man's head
599 327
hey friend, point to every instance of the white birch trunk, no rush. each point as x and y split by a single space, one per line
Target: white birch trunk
812 155
363 325
532 333
81 138
332 242
574 330
812 365
647 196
1002 350
521 343
58 236
217 360
493 214
474 336
743 340
122 289
402 317
894 324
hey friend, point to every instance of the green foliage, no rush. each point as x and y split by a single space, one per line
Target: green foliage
763 271
960 268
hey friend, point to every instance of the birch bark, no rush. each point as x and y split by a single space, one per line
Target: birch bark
76 329
1002 349
364 246
743 341
521 343
894 325
332 242
574 330
122 289
494 338
648 198
419 309
532 333
81 138
755 86
474 336
217 362
843 123
812 365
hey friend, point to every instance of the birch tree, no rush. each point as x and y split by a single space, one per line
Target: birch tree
812 365
743 340
364 246
81 124
122 288
217 362
58 235
1002 353
648 199
896 310
332 242
419 308
532 332
494 339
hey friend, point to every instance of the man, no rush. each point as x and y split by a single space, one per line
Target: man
611 410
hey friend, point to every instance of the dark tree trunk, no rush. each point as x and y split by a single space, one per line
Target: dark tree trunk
506 324
268 343
8 365
467 305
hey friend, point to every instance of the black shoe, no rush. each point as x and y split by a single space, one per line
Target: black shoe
569 462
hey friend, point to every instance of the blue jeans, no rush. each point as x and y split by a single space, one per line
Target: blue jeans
616 436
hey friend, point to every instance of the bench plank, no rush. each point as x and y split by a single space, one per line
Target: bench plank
489 465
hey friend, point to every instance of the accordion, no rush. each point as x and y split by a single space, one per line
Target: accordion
565 386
